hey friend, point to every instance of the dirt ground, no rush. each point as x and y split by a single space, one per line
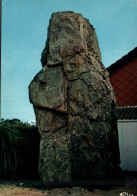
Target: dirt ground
126 187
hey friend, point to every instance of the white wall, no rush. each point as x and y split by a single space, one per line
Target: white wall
127 130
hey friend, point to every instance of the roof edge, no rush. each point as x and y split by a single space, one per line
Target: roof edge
121 62
122 107
126 113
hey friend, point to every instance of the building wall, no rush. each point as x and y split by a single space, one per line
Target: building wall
124 82
127 130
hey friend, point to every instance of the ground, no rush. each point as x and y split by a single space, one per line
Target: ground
36 188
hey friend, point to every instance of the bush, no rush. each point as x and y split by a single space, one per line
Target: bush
19 149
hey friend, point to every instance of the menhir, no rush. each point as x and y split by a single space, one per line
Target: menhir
74 105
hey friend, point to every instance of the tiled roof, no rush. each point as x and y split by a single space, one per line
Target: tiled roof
124 60
124 82
123 77
127 113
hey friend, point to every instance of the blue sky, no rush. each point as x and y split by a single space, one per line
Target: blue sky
24 33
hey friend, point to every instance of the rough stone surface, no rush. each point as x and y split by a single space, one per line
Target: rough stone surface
74 105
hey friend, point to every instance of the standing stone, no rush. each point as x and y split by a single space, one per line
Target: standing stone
74 104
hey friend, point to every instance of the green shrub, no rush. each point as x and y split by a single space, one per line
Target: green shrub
19 149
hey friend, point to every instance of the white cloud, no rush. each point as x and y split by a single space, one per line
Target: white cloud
32 122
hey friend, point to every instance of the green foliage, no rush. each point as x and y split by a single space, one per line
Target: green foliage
9 139
19 149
